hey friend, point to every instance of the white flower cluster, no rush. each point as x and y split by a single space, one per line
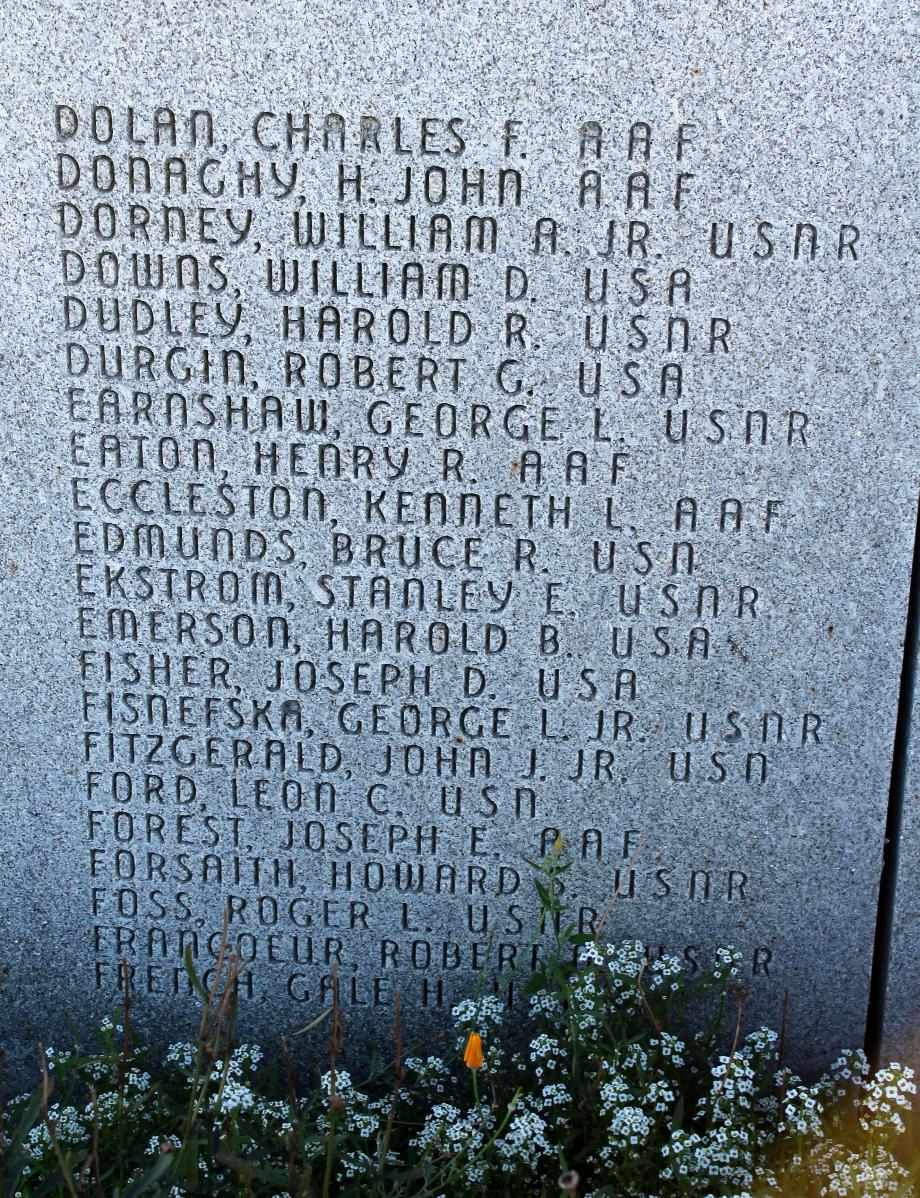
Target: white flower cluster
360 1164
98 1071
664 973
625 962
660 1096
634 1059
586 1003
801 1112
232 1096
627 969
730 1151
137 1081
732 1091
633 1098
728 962
722 1156
55 1059
614 1092
232 1080
545 1003
478 1013
245 1056
869 1173
524 1142
108 1108
70 1129
672 1048
181 1054
592 953
546 1053
430 1072
361 1117
447 1130
629 1126
161 1144
845 1078
550 1097
344 1086
762 1042
886 1095
274 1116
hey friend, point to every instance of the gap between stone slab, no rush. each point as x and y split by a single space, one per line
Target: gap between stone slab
884 925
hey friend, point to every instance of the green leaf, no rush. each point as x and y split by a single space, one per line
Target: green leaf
48 1185
308 1027
536 981
28 1119
15 1157
150 1178
193 976
250 1168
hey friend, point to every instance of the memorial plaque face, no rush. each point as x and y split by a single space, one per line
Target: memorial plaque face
429 430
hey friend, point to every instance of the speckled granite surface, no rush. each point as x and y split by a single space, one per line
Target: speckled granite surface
383 553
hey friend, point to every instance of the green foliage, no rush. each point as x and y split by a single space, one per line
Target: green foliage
638 1080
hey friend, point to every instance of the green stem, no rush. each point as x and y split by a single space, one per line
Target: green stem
330 1144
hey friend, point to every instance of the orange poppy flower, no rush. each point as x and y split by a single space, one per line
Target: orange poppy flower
472 1056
